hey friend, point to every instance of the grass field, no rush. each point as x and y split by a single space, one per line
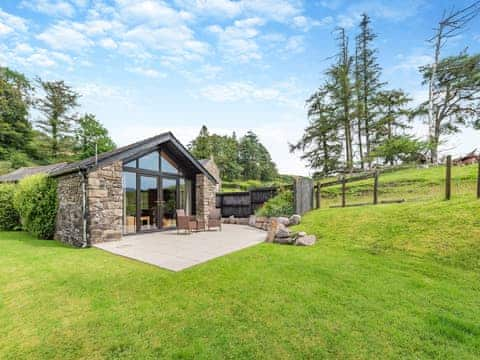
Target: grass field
409 184
391 281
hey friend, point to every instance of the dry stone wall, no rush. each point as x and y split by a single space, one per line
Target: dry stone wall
205 197
69 220
105 208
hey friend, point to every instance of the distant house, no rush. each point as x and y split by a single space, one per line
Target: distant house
470 158
133 189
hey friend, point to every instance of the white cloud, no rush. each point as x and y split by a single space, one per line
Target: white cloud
10 23
178 43
63 36
151 73
108 43
381 9
50 7
155 12
295 45
285 93
238 42
277 10
27 56
412 62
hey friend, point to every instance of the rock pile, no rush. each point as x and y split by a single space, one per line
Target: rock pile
279 233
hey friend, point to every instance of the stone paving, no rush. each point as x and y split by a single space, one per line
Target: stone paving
176 252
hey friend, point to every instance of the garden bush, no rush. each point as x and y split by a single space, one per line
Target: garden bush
280 205
36 201
9 218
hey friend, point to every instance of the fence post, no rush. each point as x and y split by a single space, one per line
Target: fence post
478 179
448 180
344 189
375 188
318 195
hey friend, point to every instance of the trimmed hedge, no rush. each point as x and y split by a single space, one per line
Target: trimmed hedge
9 218
280 205
36 201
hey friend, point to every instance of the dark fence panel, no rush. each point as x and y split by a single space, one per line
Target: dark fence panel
244 204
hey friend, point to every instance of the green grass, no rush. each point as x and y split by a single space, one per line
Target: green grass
391 281
409 184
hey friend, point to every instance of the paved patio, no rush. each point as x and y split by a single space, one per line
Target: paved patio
176 252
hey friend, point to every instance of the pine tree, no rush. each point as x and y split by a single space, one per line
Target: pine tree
57 106
369 78
320 144
340 87
393 115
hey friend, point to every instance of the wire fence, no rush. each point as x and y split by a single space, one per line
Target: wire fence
413 184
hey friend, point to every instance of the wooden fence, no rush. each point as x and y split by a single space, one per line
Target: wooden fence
343 181
245 203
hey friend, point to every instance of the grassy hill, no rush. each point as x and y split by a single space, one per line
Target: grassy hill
417 184
389 281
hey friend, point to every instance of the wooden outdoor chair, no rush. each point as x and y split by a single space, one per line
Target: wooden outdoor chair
186 222
215 220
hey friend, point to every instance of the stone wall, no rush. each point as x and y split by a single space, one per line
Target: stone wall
69 220
105 203
215 171
205 197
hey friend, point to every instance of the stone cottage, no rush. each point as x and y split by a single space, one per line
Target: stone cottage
133 189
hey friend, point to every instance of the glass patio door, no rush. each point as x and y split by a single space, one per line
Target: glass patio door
149 201
169 202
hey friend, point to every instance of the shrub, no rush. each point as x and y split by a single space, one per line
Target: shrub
280 205
36 201
9 218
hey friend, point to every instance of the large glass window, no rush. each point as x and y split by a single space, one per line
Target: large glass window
169 204
129 202
132 164
149 161
168 165
185 195
148 202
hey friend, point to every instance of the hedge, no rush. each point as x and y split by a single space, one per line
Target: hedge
36 201
280 205
9 218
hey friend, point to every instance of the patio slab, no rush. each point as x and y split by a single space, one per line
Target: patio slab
176 252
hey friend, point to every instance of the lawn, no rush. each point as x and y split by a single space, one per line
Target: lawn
414 184
391 281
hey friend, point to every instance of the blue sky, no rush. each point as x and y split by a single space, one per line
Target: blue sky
144 67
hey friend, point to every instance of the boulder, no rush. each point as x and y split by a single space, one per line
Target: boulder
283 220
302 233
295 219
307 240
282 232
286 240
272 232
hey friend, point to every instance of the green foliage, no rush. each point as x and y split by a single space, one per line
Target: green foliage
36 201
58 118
9 218
280 205
255 159
15 129
401 148
91 135
245 159
320 143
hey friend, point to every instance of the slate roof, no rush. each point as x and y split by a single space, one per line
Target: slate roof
122 153
23 172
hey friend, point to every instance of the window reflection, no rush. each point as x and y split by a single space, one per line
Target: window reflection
168 165
129 202
149 161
